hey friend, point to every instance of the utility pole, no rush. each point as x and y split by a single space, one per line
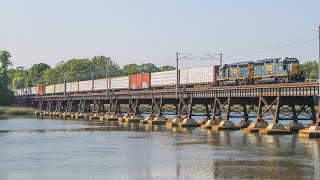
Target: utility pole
65 87
318 120
107 81
319 63
92 78
177 73
177 69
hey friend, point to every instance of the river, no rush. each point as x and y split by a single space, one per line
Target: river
37 148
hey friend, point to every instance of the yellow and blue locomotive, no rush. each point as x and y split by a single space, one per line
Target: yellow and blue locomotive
267 71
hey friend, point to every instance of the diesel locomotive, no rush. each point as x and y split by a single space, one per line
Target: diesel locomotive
267 71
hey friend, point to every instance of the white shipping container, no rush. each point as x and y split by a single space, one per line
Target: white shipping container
166 78
119 82
85 85
19 92
59 88
201 75
34 90
72 87
100 84
50 89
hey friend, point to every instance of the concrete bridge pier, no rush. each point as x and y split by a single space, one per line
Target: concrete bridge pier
155 117
48 109
133 113
97 110
69 108
184 114
114 111
58 106
40 108
82 109
314 130
221 114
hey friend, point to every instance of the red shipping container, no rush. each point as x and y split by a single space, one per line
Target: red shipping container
215 71
140 81
41 90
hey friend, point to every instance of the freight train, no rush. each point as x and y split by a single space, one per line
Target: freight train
268 71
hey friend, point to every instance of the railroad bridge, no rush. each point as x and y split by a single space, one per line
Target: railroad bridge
264 103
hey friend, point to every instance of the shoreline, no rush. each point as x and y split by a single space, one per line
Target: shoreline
18 111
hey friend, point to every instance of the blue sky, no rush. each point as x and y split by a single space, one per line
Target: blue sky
137 31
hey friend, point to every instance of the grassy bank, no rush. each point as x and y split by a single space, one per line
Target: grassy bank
16 110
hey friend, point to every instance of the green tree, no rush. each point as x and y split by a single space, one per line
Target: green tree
167 68
310 69
21 78
149 68
36 71
6 96
130 69
5 63
99 67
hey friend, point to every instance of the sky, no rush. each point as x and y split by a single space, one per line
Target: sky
140 31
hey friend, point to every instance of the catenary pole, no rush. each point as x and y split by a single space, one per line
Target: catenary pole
107 81
177 73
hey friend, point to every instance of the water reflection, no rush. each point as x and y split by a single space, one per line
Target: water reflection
46 148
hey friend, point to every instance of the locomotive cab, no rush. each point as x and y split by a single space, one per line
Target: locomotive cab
292 67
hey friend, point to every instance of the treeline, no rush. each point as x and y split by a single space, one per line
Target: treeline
76 70
310 69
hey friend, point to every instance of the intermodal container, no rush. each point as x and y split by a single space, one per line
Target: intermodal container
59 88
119 82
34 90
72 87
166 78
19 92
49 89
100 84
201 75
42 90
139 81
85 85
215 71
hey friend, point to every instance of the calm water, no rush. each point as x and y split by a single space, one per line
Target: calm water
33 148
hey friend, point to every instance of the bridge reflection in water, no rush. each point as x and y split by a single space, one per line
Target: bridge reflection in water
123 150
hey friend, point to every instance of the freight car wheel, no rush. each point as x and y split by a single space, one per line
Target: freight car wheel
281 80
257 81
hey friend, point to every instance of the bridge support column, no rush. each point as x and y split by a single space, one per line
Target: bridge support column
114 112
96 110
221 114
81 110
245 122
312 131
133 114
155 117
48 109
68 111
184 116
57 109
40 108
